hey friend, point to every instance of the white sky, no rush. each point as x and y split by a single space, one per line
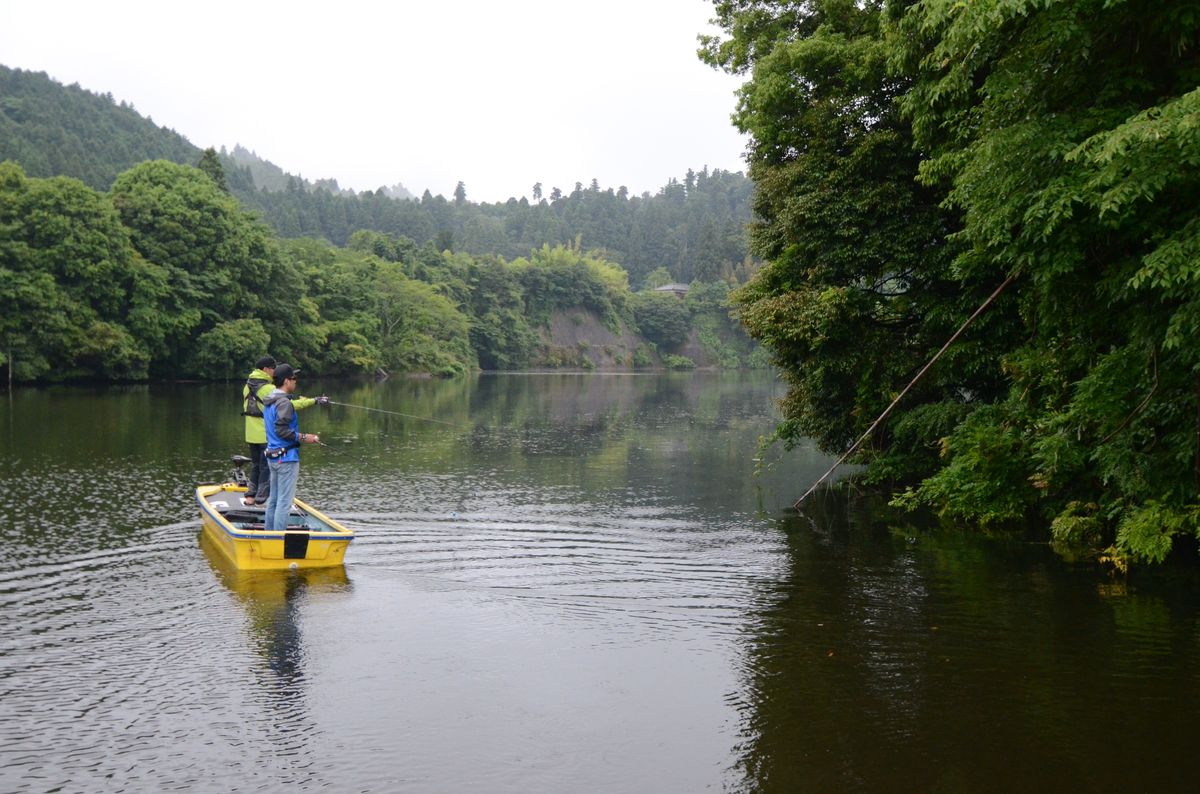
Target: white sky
497 94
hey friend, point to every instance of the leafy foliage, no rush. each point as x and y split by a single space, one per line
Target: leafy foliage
857 292
561 277
672 361
68 279
500 333
218 261
223 350
1082 181
663 319
1053 142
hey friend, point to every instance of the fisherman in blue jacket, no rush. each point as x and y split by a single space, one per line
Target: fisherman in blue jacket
283 446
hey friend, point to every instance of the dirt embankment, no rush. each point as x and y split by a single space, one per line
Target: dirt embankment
577 339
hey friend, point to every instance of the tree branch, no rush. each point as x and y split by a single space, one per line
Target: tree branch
1141 405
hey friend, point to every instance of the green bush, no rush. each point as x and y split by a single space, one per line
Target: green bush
663 319
672 361
228 349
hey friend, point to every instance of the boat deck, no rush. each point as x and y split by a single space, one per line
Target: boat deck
229 505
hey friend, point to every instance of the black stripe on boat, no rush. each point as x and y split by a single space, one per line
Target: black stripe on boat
295 545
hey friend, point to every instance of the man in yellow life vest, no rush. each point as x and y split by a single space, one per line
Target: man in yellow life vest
257 388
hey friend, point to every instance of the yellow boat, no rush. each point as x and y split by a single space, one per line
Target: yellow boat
312 539
268 592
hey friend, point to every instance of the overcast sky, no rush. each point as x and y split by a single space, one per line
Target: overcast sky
497 94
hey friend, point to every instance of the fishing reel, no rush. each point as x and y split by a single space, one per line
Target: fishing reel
239 476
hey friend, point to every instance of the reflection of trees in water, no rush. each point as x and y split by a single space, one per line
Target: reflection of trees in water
831 695
694 433
916 660
616 429
520 400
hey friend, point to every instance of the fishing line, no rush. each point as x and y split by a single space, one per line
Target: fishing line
396 413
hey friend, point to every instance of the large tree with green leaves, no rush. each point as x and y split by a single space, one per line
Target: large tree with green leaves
374 314
661 318
857 292
220 262
1054 144
1068 135
69 282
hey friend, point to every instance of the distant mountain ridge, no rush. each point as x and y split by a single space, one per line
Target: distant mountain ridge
268 176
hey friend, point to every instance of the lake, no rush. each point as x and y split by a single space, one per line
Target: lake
569 582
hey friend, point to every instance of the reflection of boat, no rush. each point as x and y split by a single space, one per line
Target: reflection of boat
273 600
312 539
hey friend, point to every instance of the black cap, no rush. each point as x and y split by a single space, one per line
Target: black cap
283 372
266 362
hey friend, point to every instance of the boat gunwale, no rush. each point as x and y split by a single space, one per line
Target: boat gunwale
340 533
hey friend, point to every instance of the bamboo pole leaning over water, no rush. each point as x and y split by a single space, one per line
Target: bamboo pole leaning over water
900 396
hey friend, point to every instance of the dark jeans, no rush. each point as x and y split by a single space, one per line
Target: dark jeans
259 475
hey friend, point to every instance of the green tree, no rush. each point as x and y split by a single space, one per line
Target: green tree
67 273
707 259
563 277
210 164
420 330
857 291
500 334
219 261
1064 133
374 315
662 318
223 350
657 277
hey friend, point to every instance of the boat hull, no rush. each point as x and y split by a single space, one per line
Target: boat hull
312 539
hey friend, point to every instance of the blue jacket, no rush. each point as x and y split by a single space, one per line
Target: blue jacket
283 426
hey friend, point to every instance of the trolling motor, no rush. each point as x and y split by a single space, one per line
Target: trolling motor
239 476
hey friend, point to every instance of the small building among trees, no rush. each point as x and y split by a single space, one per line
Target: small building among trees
678 290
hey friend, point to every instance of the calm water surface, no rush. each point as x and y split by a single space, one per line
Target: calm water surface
575 585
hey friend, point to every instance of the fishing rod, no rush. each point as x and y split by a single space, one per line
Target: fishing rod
395 413
333 449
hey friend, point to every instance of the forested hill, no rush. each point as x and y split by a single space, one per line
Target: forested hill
691 227
57 130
